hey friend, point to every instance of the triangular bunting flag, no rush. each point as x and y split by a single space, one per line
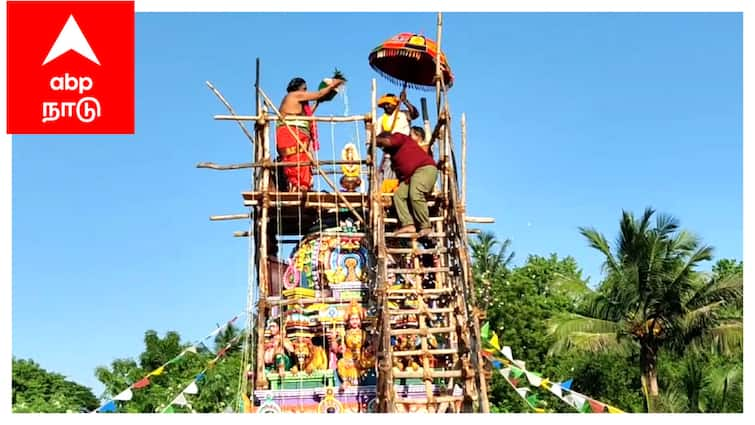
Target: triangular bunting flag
522 391
141 383
507 353
497 364
125 395
506 372
519 363
514 381
612 409
579 401
176 359
596 406
517 372
556 390
567 384
485 331
200 377
494 341
221 353
191 389
533 379
180 400
585 408
545 383
192 349
217 331
169 409
158 371
532 400
109 407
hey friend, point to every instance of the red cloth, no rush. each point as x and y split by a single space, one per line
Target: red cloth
407 156
286 142
312 128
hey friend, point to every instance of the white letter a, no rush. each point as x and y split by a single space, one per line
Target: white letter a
71 38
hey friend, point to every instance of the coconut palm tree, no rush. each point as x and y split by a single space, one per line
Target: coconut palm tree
487 264
652 298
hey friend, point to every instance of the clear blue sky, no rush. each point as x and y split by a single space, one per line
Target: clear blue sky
571 118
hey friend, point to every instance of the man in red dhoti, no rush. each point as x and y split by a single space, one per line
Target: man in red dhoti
294 138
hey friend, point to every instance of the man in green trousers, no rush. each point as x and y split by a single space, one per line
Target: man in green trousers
417 171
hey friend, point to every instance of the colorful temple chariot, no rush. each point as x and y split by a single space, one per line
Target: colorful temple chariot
360 318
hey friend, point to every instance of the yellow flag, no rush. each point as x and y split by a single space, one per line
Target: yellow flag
494 341
612 409
247 403
158 371
545 383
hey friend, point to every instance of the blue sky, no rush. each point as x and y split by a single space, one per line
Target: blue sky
571 118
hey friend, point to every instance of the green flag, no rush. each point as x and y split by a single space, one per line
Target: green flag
485 331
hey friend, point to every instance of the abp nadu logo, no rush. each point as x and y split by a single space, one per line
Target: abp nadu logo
70 67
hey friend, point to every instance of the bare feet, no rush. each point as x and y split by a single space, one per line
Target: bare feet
406 229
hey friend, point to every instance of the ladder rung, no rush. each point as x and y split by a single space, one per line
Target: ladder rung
416 251
415 331
420 270
436 351
416 311
395 220
413 235
417 291
434 374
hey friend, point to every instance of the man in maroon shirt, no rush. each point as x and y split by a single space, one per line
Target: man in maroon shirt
417 171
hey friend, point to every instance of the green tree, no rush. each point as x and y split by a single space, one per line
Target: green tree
36 390
652 298
727 267
489 265
217 385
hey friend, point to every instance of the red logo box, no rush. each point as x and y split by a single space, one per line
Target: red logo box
70 67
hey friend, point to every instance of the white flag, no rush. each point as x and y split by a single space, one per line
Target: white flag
519 364
192 349
507 353
522 391
180 400
534 379
191 389
506 372
579 401
125 395
556 390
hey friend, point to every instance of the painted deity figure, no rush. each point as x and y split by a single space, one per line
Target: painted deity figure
276 347
350 367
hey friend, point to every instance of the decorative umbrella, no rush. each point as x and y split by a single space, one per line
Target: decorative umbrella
410 58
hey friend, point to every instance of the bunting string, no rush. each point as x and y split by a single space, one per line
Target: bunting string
127 394
515 373
192 389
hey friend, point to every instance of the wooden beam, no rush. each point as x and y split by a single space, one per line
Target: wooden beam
267 117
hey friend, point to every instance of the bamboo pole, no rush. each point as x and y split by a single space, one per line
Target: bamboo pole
319 170
244 216
278 164
266 117
262 255
230 109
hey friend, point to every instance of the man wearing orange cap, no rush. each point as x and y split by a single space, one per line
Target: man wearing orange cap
393 120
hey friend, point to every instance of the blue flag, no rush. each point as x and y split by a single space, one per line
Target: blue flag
567 384
497 364
200 377
109 407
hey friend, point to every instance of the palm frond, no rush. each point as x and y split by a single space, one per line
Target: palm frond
568 329
598 241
